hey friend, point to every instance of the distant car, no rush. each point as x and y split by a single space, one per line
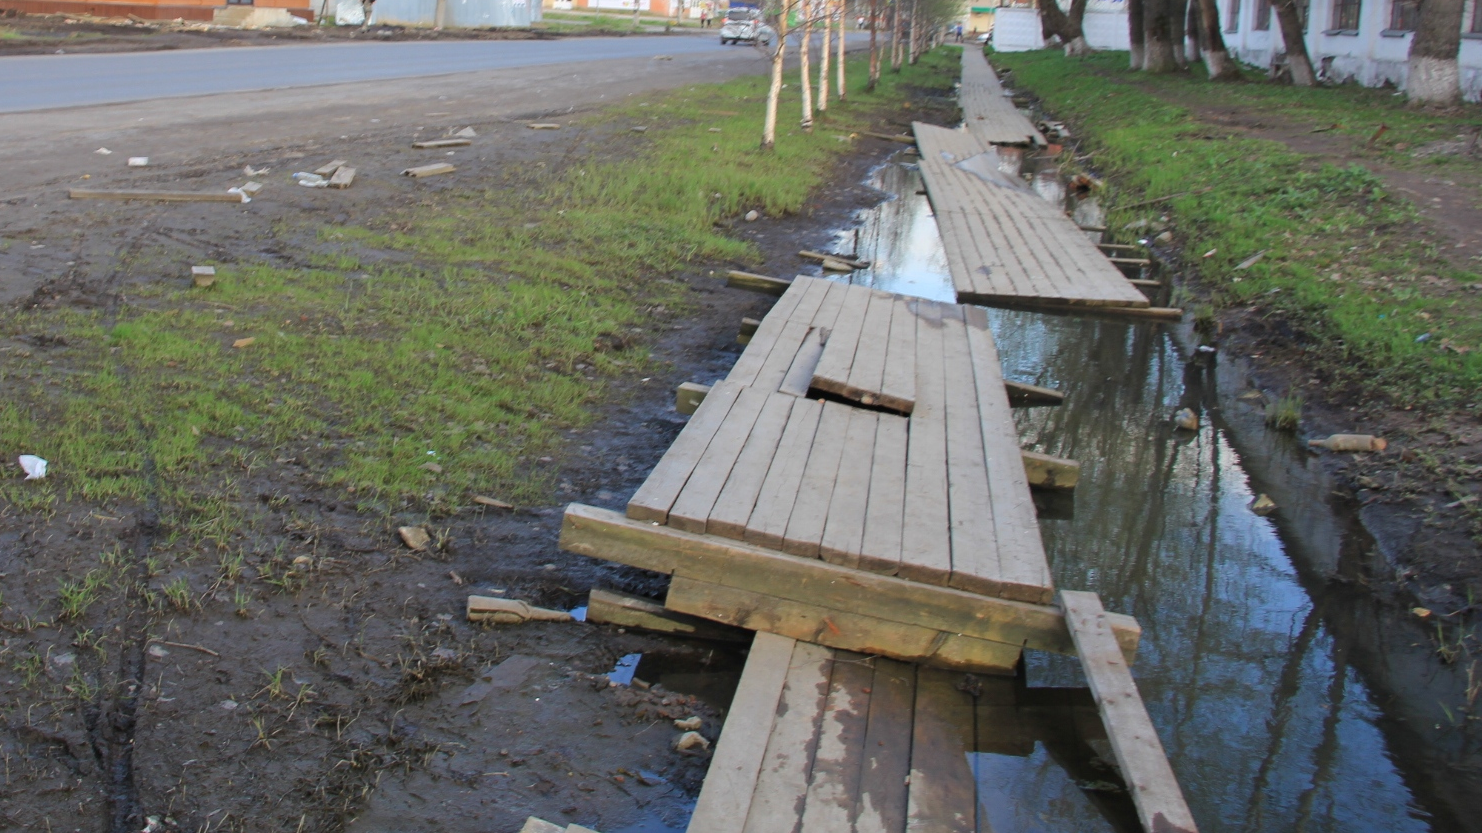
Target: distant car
745 26
983 38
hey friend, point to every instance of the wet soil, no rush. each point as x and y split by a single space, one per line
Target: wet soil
351 693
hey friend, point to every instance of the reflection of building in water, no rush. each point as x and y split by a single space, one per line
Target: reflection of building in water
899 238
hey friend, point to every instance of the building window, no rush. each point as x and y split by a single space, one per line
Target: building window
1403 15
1476 27
1263 16
1234 23
1345 16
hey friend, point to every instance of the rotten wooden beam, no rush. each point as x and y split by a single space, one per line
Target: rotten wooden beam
155 196
1024 395
610 607
688 396
756 283
1049 472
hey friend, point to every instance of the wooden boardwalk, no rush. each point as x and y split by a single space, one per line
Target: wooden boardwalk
1005 245
986 111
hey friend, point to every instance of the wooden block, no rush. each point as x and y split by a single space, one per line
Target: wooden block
756 283
1134 740
251 188
602 533
1048 472
783 782
203 276
429 170
849 630
688 396
442 143
887 748
1024 395
156 196
747 330
943 793
343 177
330 168
545 126
610 607
657 494
731 780
800 374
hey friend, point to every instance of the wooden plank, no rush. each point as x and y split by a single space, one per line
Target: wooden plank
737 500
943 794
1024 395
611 607
756 283
441 143
747 330
849 630
976 562
822 256
843 531
1134 740
832 371
867 370
343 177
833 785
693 504
688 396
783 350
800 374
783 782
732 777
926 548
759 346
887 749
329 168
779 489
898 383
792 344
1045 471
429 170
880 548
809 513
602 533
652 500
155 196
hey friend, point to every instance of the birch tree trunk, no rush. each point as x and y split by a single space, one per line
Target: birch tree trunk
841 68
1434 77
1158 36
1136 36
805 80
1178 12
1290 20
823 57
874 47
915 33
774 92
895 36
1212 41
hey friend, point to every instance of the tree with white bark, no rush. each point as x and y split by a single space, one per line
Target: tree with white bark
777 12
1434 76
1293 36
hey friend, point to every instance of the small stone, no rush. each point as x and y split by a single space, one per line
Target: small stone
1165 238
1421 612
229 705
753 215
689 740
415 537
1186 420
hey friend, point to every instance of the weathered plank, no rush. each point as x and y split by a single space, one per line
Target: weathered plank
343 177
611 607
843 531
926 547
602 533
887 749
943 794
810 512
975 557
783 782
155 196
779 490
652 500
1046 471
1024 395
764 284
898 381
732 778
832 371
688 396
692 506
1134 740
737 500
833 786
880 549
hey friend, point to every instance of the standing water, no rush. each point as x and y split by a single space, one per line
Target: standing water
1284 702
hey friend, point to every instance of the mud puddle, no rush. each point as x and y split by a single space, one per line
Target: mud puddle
1287 696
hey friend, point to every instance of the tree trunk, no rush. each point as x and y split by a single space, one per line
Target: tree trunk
774 92
1158 36
915 33
1178 12
1212 42
1191 31
1434 77
1290 20
874 47
841 67
805 79
895 36
823 57
1136 35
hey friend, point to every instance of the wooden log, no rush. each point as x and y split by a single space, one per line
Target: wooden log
1130 265
688 396
1047 472
890 137
1024 395
442 143
155 196
545 126
820 256
756 283
1145 284
1168 314
747 330
1111 248
343 177
429 170
1134 740
330 168
602 533
610 607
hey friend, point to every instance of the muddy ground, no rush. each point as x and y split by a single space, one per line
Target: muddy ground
352 693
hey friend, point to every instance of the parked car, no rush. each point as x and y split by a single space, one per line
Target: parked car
745 26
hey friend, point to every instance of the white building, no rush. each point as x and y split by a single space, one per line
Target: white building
1367 41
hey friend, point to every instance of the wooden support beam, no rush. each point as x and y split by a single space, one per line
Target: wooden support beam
1094 229
1024 395
609 607
688 396
747 330
1134 741
822 257
1142 284
1132 266
442 143
1112 248
756 283
429 170
1168 314
602 533
890 137
1047 472
155 196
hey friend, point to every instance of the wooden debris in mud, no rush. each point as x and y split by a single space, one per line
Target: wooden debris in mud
822 257
1024 395
429 170
511 611
1047 472
203 276
756 283
442 143
492 502
747 330
342 177
331 167
155 196
545 126
688 396
609 607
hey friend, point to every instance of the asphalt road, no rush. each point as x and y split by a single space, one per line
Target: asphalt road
41 82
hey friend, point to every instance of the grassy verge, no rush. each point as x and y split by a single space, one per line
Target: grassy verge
1348 267
416 359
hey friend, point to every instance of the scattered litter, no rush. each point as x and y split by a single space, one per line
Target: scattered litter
103 152
442 143
510 611
1263 505
752 216
717 130
1350 442
689 740
309 180
1251 261
415 537
545 126
203 276
639 129
689 724
238 192
622 673
1165 238
138 161
328 169
488 501
248 170
1186 419
1210 253
251 188
157 652
466 133
33 466
429 170
1421 612
244 342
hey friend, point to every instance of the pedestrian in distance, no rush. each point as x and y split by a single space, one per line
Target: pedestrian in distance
366 7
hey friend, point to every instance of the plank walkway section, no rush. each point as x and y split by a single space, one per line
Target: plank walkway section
926 483
822 740
1005 245
986 110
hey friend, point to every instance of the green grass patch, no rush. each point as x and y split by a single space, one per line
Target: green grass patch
419 358
1349 267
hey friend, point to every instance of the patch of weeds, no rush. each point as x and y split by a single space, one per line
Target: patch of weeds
177 593
75 597
1285 414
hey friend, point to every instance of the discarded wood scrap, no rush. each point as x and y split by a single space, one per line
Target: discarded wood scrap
688 396
756 283
609 607
1047 472
429 170
824 257
155 196
328 169
510 611
342 177
442 143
